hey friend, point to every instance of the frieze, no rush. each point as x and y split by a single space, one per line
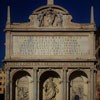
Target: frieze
47 64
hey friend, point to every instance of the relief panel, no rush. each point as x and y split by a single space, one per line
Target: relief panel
23 85
51 89
78 87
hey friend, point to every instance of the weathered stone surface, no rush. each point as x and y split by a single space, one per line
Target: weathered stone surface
50 57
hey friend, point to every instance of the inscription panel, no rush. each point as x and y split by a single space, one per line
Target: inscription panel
50 45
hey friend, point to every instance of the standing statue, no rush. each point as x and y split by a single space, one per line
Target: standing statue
50 17
59 19
50 89
40 18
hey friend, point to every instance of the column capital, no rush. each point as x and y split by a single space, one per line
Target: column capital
65 69
35 69
7 69
91 69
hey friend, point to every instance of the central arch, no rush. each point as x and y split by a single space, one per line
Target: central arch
50 85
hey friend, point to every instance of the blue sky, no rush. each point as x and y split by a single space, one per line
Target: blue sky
21 9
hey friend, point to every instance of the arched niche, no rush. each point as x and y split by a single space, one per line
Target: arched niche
22 86
50 86
78 86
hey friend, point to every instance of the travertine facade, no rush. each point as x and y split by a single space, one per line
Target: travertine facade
98 64
2 81
50 57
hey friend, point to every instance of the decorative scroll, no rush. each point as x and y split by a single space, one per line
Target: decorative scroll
22 89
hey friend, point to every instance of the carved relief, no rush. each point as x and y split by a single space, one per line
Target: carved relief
22 89
78 87
51 89
78 92
22 86
23 93
40 18
59 20
50 86
31 18
49 18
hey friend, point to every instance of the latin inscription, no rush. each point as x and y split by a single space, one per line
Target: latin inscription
50 45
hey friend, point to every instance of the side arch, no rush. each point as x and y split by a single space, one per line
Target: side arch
22 85
78 85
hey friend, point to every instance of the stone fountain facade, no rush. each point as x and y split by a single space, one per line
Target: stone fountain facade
50 57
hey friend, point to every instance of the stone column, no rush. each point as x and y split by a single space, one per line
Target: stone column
67 85
35 83
95 80
64 85
7 84
91 84
38 86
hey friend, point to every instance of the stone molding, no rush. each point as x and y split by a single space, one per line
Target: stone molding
48 64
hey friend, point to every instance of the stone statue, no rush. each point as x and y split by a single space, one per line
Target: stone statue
50 17
23 93
40 18
31 18
50 89
59 19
